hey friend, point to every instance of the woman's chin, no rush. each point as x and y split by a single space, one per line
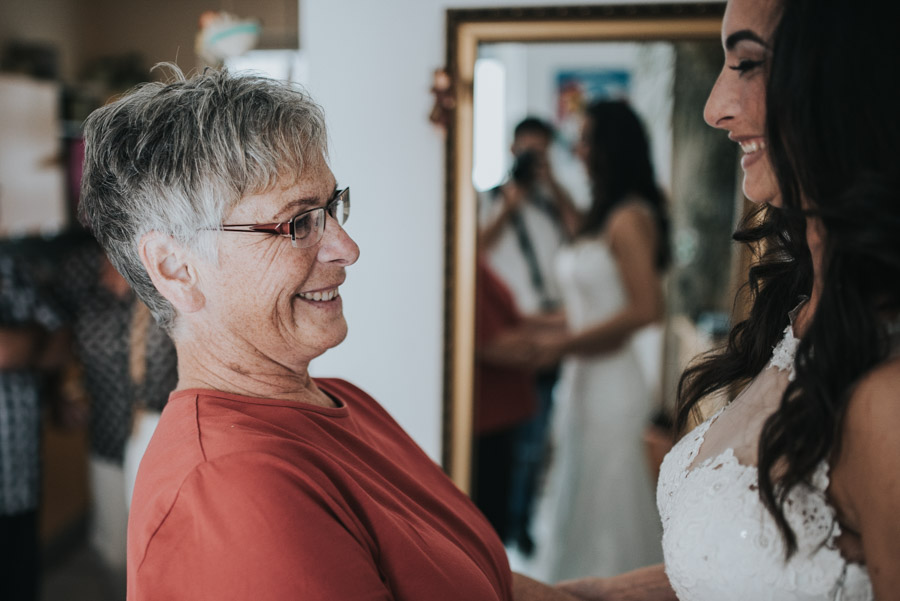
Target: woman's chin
759 195
759 185
328 338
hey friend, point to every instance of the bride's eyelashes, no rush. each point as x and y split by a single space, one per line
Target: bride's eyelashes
746 65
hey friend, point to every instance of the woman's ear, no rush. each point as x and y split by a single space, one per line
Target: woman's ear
172 270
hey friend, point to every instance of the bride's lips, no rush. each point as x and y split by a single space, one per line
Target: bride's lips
753 149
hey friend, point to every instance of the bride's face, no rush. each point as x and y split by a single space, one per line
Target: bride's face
737 102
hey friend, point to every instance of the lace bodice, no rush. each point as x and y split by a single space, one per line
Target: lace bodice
719 541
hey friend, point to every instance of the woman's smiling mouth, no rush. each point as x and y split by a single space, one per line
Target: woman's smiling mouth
751 149
320 295
751 146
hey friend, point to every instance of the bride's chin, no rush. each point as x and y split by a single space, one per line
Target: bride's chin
771 198
761 188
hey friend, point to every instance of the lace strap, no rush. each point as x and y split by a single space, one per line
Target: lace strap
784 352
837 592
697 436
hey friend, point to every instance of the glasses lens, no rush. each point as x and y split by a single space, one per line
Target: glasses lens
308 228
339 208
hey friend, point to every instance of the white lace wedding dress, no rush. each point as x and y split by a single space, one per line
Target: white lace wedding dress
719 540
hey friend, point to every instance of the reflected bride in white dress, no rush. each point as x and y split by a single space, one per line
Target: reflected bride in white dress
597 516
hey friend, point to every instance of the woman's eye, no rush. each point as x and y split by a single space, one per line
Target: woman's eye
303 226
746 65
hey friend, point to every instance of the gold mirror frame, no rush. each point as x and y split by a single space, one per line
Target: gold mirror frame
466 29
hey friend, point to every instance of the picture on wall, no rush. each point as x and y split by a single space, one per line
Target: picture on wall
576 88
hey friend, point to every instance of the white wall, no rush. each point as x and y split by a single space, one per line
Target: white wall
32 183
371 65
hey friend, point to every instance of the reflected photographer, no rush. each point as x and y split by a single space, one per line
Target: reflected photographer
524 222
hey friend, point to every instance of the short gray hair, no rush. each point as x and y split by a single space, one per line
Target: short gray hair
175 157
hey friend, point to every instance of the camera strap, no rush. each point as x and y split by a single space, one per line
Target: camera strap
534 268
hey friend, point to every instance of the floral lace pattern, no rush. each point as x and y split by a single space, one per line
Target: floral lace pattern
783 355
720 542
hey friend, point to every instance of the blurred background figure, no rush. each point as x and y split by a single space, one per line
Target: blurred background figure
26 318
598 513
523 223
130 367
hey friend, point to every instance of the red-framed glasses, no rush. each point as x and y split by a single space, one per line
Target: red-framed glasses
304 229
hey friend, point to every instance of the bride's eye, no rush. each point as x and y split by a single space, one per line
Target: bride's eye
746 65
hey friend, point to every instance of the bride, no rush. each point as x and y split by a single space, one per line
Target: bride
597 511
792 491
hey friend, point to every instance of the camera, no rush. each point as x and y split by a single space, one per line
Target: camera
524 168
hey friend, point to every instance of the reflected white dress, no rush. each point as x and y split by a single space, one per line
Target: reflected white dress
719 540
597 516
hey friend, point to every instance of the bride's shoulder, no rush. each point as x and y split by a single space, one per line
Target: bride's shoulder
871 423
633 209
875 400
631 221
864 479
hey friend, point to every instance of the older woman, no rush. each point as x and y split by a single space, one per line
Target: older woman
213 198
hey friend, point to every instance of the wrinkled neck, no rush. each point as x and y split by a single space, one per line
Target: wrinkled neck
211 367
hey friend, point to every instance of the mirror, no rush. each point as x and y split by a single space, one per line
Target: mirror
663 59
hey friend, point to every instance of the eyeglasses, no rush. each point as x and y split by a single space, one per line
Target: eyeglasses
305 229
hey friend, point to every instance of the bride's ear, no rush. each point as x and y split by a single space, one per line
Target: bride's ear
173 271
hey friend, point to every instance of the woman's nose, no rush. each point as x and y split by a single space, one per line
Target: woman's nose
717 112
337 245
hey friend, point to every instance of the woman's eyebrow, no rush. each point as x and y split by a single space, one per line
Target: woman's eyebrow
743 35
296 206
301 204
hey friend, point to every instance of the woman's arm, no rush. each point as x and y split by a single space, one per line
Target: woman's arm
512 197
644 584
865 478
633 240
526 589
512 348
555 321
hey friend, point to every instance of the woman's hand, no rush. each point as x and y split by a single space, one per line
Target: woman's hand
644 584
526 589
555 320
549 348
513 197
590 589
512 348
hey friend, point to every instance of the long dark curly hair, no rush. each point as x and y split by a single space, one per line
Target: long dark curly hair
619 167
834 141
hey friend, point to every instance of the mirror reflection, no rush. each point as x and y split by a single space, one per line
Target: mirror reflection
605 207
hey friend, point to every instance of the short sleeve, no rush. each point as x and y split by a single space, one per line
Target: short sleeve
246 527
